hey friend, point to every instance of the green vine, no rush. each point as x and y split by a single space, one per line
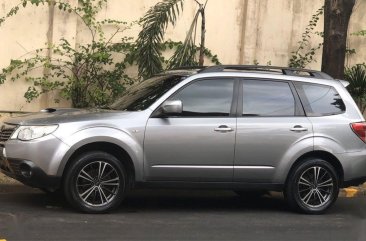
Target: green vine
88 75
304 54
359 33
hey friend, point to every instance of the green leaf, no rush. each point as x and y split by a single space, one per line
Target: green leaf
154 24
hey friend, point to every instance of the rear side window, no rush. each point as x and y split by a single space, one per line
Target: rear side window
267 98
320 100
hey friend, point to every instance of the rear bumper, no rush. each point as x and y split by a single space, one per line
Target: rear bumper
28 173
354 167
354 182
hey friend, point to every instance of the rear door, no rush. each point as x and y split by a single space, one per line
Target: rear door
271 120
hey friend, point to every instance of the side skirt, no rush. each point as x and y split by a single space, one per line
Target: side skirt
211 185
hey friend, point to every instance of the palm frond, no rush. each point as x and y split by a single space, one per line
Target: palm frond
185 55
154 25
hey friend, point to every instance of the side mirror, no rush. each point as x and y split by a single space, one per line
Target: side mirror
172 107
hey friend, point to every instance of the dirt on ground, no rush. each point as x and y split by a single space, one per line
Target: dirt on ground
6 180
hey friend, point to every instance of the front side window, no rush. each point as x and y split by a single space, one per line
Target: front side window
267 98
206 98
320 100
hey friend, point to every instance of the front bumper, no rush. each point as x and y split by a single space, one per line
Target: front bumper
28 173
34 163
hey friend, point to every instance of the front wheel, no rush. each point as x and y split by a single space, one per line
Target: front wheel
312 186
95 182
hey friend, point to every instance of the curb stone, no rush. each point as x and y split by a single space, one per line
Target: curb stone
353 191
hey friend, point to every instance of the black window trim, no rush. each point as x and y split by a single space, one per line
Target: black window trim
305 102
299 110
234 103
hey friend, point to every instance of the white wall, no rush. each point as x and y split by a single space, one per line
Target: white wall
239 31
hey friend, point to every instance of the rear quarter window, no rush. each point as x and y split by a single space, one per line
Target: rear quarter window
320 100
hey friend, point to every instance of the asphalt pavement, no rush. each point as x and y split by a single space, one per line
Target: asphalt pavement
29 214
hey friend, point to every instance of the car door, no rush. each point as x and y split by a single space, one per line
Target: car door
271 122
198 144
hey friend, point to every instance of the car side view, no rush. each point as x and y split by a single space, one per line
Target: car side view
236 127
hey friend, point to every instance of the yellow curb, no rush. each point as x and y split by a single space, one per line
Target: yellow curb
350 192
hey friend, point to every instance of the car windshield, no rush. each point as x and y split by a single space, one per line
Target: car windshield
143 94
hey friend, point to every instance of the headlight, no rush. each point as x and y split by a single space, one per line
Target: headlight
27 133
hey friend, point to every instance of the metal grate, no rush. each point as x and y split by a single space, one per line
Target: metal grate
6 131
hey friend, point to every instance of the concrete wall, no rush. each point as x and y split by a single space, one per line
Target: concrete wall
239 31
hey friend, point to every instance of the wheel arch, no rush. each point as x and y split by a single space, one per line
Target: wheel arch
326 156
120 153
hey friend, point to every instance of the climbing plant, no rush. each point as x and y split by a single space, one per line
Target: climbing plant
304 54
89 74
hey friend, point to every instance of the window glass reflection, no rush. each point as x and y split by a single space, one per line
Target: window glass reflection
267 98
207 98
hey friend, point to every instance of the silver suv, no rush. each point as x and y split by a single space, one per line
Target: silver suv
225 127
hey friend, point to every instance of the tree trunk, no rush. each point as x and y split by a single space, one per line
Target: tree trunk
203 36
337 14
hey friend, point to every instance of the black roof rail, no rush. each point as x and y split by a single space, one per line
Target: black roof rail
284 70
189 68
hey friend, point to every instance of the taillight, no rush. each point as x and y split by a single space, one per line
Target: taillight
360 129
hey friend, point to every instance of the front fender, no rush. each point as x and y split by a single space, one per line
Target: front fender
120 138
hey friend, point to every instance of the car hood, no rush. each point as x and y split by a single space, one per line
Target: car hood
58 116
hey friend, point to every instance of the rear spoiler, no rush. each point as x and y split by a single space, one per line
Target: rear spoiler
344 83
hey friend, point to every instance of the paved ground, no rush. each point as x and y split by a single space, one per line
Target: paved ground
27 214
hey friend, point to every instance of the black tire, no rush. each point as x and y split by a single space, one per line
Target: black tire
94 192
311 193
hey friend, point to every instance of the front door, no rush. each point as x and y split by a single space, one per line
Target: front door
197 145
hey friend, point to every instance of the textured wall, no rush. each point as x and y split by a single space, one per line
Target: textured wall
239 31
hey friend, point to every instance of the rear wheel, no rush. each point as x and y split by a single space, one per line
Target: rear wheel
95 182
312 187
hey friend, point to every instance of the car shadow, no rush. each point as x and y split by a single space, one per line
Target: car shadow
155 200
200 200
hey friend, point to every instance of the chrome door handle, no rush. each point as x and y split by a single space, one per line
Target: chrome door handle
299 129
224 128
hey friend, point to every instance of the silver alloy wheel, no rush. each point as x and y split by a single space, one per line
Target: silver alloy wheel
97 183
315 186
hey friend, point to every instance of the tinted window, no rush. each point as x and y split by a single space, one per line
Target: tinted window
207 98
267 98
142 95
321 100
